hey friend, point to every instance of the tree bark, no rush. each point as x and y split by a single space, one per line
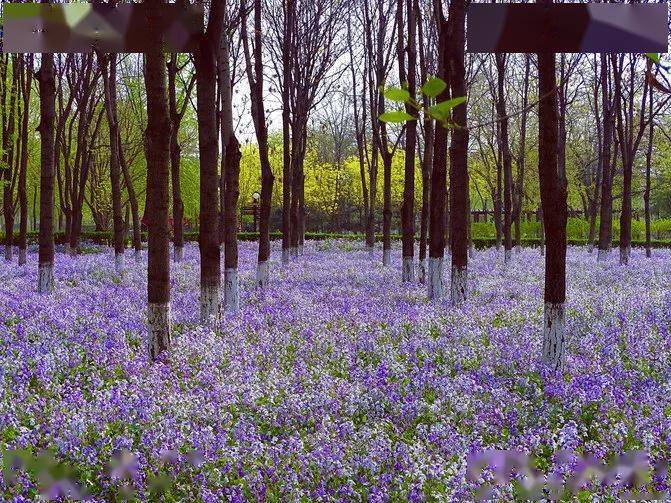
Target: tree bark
506 157
521 160
158 171
648 166
459 185
108 63
47 86
408 75
606 210
206 107
255 78
438 191
553 188
26 86
9 124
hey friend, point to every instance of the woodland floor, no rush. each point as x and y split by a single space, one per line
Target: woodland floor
337 383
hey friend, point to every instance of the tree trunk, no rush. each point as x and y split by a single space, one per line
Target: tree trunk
26 85
606 210
206 104
132 199
287 173
175 160
408 206
8 160
158 171
506 157
255 79
459 186
109 82
648 166
231 178
47 86
553 188
521 162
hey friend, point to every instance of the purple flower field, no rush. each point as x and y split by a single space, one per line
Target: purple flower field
338 383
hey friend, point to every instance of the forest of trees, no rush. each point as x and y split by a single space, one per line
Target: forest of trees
285 99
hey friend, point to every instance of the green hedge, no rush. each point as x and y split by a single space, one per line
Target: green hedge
105 238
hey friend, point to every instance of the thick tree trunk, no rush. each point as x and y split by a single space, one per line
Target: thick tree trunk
438 191
109 82
231 177
47 85
606 210
459 186
553 188
206 103
408 206
158 172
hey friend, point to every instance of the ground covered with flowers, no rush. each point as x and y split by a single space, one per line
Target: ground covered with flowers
338 383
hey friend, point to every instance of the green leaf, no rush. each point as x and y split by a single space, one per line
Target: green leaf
441 111
396 94
396 117
654 56
433 87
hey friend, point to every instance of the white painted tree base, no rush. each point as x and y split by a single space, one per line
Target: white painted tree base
178 254
158 328
119 263
602 255
231 297
554 336
624 255
45 278
408 269
421 271
262 274
209 306
458 285
386 258
9 253
471 251
22 256
435 280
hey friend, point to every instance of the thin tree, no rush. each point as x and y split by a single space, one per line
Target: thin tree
158 171
648 166
26 83
505 157
108 62
177 111
47 86
9 117
254 70
553 187
521 158
606 209
594 201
